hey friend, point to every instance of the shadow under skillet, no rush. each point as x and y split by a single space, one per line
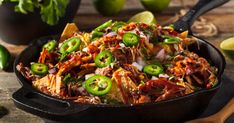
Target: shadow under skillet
221 98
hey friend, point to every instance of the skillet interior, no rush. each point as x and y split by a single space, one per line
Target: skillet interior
173 110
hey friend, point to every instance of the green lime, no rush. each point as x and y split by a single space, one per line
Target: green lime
227 47
155 5
108 7
143 17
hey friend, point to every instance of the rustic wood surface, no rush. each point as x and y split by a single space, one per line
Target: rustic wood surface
87 17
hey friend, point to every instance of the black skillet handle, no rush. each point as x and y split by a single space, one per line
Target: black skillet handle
203 6
44 106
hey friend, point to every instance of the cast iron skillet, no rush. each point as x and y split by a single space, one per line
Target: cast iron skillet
174 110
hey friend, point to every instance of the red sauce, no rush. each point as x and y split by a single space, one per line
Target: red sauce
161 82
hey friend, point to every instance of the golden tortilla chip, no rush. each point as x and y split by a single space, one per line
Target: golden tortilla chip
68 31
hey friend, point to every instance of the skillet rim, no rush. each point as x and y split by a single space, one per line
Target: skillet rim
25 85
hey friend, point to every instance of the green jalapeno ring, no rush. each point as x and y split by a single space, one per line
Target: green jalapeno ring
39 69
50 46
70 45
153 69
98 85
130 39
103 26
103 59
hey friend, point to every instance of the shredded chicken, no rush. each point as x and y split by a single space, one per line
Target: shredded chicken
88 100
85 75
25 71
51 83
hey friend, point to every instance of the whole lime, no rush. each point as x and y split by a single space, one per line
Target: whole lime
155 5
108 7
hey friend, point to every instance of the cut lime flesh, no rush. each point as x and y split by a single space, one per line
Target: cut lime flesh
227 47
143 17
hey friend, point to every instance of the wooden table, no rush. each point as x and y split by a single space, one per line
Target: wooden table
88 17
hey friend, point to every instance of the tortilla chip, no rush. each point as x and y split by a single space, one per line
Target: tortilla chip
68 31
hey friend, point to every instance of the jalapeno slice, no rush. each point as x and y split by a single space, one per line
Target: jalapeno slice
170 40
5 58
130 39
153 69
70 45
103 59
103 26
50 46
96 34
117 25
98 85
39 69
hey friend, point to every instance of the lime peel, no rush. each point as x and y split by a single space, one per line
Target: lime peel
143 17
227 47
155 5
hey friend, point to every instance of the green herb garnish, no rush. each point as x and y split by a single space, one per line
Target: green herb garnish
51 10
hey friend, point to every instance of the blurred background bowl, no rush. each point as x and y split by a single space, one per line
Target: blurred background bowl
17 28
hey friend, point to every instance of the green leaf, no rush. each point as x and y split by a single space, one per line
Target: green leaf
24 6
53 10
1 2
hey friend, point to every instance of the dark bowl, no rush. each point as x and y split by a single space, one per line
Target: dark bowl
170 111
17 28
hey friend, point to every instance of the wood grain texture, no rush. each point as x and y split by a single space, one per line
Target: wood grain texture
219 117
87 17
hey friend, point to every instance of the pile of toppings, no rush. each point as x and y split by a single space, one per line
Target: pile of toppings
120 63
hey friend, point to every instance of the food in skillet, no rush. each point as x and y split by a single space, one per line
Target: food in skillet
120 63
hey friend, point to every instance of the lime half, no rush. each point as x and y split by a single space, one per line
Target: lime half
227 47
143 17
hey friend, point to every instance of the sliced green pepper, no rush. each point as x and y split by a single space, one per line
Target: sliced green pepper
98 85
170 40
96 34
63 56
172 26
70 45
103 26
169 26
67 78
153 69
39 69
50 46
153 38
103 59
5 57
130 39
117 25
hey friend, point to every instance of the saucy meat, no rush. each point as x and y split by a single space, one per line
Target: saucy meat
120 63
